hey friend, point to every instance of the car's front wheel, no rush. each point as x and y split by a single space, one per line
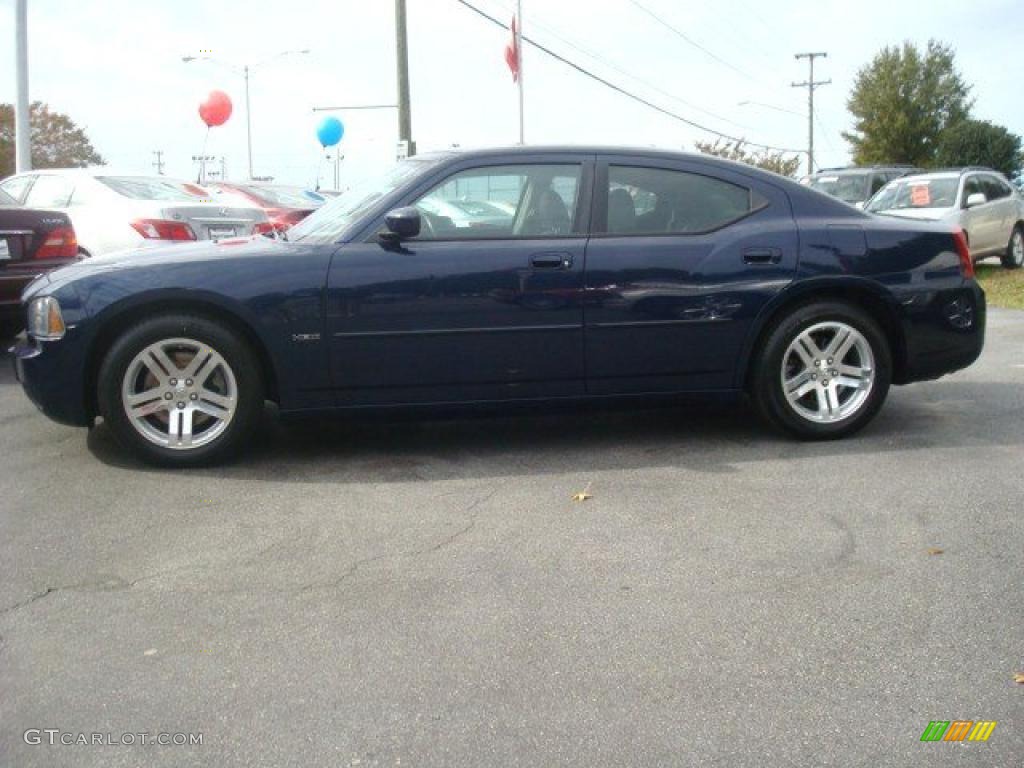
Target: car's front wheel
823 372
1014 256
180 390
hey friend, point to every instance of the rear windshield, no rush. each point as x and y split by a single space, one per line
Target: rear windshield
915 193
850 188
287 197
146 188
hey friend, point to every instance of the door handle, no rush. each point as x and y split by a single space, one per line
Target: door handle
762 256
551 260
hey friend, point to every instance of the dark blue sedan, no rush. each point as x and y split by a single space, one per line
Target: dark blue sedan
605 273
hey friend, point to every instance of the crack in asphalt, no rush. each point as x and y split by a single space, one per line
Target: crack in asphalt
351 570
117 584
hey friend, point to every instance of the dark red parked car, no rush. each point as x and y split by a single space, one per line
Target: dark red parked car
31 242
284 205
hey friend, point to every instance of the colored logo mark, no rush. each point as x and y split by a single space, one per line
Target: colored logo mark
958 730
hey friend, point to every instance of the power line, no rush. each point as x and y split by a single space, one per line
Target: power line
612 65
679 33
623 91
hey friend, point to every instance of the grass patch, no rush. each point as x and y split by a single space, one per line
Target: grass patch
1003 287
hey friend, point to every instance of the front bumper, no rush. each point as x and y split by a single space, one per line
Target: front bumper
52 375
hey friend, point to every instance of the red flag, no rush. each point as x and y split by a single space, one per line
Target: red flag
512 53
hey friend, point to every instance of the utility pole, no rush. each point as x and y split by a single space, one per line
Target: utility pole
402 51
159 162
810 84
22 131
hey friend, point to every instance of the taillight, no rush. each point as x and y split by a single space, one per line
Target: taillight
162 229
59 243
264 228
964 251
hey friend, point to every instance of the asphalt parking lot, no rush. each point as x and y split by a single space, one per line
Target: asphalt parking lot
428 593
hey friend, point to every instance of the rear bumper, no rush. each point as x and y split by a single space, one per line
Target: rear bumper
51 374
944 332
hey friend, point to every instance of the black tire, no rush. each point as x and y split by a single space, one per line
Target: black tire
766 387
1014 256
235 352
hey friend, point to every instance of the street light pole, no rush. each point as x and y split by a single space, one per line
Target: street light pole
248 122
22 129
245 76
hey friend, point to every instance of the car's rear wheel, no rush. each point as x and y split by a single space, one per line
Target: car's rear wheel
180 390
1014 256
823 372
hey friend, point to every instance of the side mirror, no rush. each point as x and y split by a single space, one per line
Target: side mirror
401 224
977 198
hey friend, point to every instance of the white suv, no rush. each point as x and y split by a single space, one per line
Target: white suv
978 200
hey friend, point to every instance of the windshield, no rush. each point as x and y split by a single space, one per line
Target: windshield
327 223
904 194
850 188
146 188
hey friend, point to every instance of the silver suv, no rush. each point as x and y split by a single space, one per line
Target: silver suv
978 200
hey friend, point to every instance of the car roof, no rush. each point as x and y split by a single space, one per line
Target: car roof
929 175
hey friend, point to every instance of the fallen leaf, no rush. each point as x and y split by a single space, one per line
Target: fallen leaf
150 652
581 496
935 551
1019 678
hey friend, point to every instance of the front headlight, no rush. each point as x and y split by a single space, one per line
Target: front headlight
44 319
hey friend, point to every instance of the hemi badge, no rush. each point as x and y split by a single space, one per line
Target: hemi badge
305 337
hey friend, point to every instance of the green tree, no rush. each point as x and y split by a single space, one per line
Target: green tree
979 142
902 103
766 159
56 141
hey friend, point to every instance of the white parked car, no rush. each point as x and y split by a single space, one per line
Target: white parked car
978 200
112 211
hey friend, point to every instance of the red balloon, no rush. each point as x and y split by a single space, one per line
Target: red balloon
216 109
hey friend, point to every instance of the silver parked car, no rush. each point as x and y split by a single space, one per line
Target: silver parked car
978 200
113 211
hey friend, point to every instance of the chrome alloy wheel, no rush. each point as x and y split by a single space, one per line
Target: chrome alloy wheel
828 372
179 393
1017 247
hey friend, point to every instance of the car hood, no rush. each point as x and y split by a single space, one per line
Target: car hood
157 257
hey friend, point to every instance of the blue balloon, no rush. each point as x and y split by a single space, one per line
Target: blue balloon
330 131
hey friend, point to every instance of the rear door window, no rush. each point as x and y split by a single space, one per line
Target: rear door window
659 201
50 191
16 186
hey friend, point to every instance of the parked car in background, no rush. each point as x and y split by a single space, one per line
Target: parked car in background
112 211
980 201
31 242
284 205
629 274
855 185
462 214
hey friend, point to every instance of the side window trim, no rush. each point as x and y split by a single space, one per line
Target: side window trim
599 220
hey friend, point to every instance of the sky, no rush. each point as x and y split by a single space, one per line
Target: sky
115 66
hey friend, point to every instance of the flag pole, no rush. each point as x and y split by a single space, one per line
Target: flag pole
519 54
